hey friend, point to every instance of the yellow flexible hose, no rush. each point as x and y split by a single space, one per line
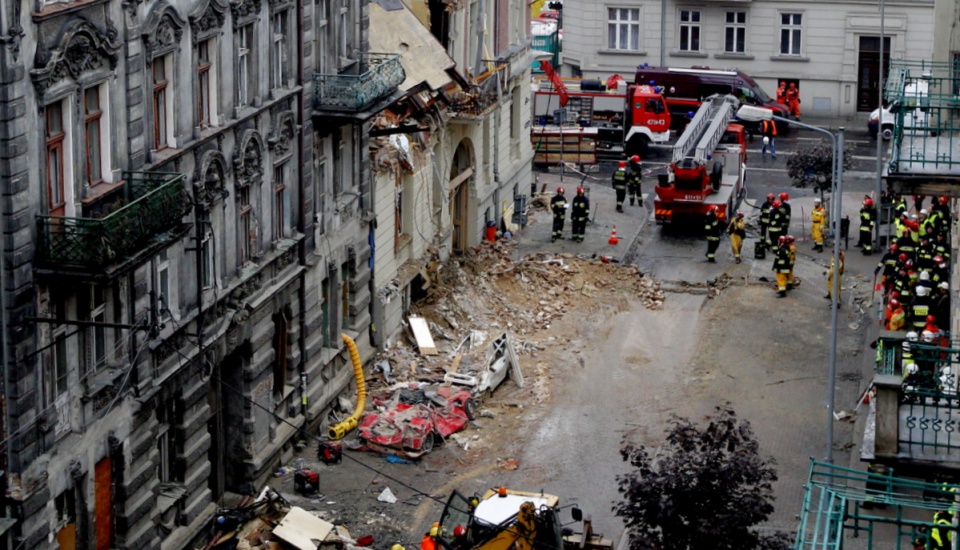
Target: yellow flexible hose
339 430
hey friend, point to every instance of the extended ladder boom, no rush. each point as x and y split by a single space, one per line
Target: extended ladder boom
705 131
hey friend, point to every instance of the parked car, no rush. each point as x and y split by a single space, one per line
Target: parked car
882 121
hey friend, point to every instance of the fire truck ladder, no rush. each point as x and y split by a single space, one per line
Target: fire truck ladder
705 131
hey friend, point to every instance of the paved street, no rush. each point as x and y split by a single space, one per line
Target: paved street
618 372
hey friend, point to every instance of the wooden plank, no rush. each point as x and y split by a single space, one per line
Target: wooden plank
454 366
421 333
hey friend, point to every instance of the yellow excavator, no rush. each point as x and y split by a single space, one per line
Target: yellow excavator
504 519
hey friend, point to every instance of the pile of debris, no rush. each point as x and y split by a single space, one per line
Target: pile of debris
271 523
429 384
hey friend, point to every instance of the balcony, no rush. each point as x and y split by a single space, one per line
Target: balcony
915 418
360 85
924 106
118 229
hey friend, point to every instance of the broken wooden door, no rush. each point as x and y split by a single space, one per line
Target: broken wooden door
103 505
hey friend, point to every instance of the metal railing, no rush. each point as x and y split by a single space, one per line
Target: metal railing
839 500
372 77
924 98
149 203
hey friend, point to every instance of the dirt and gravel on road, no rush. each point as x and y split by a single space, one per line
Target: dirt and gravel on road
608 354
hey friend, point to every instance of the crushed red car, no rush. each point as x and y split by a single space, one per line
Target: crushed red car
408 423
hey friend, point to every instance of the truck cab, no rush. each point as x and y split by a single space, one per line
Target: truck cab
646 119
500 520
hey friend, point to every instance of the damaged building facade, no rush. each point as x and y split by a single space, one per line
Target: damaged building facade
452 154
186 220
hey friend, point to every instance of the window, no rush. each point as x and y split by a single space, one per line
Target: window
245 212
689 31
56 152
96 341
169 417
324 34
321 196
92 115
623 29
166 286
281 328
735 32
162 102
209 260
244 64
343 29
206 83
790 29
338 169
56 367
280 49
281 202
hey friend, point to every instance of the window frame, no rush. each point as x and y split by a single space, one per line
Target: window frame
620 26
57 142
245 225
163 94
791 31
281 200
280 48
97 342
735 28
206 82
93 118
693 26
245 64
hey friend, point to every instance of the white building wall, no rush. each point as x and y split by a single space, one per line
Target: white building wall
826 67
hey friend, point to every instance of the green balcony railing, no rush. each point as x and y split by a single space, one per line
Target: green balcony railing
374 76
148 204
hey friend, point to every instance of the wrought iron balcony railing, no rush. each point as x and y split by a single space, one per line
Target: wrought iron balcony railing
150 203
372 77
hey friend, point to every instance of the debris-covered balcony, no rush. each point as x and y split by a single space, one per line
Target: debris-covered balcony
923 99
878 509
366 85
475 101
117 230
914 419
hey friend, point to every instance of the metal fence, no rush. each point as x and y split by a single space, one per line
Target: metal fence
372 77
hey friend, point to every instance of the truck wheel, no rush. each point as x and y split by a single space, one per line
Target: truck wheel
639 145
716 175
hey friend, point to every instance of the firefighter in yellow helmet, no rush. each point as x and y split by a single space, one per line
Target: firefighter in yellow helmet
737 231
818 220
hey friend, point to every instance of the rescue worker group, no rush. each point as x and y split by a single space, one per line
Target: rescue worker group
623 184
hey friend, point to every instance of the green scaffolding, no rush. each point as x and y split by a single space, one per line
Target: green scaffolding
841 504
924 98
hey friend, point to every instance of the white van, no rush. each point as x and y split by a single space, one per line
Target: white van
915 115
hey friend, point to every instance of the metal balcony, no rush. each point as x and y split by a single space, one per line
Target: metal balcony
373 77
917 416
924 99
118 227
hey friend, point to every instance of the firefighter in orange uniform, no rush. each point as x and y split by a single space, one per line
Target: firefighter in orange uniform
793 100
782 93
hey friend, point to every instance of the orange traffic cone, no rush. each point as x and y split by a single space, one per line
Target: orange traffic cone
613 236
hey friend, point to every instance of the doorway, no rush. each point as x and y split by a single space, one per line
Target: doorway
869 77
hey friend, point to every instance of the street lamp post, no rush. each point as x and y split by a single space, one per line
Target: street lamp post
755 114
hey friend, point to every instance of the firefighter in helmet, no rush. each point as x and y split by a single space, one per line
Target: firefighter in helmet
737 231
781 265
787 211
713 231
818 220
633 183
830 274
579 215
776 228
620 184
868 219
765 218
558 205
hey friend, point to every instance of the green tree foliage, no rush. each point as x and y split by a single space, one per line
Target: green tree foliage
708 487
813 166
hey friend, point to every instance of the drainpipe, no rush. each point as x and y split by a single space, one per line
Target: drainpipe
301 223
